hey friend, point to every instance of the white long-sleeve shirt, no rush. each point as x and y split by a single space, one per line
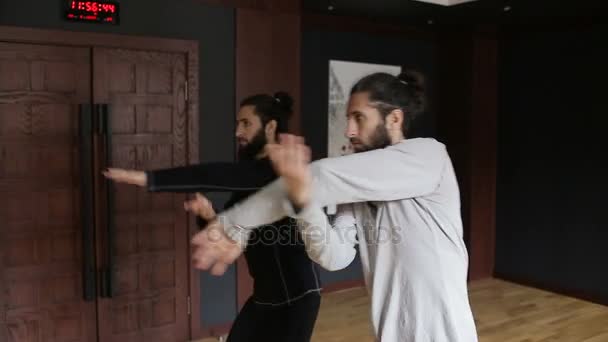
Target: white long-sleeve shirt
404 204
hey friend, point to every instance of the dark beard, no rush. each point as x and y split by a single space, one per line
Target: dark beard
379 139
254 147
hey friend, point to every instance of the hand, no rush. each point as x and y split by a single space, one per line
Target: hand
200 206
133 177
213 249
290 160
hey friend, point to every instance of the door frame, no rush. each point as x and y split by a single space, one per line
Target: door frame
190 48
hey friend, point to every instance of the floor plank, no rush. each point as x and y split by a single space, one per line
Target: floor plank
504 312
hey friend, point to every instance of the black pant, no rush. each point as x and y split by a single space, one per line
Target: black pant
292 322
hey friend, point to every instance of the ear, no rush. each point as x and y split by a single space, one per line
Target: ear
394 120
271 130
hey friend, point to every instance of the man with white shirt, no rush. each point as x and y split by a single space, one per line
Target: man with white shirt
400 196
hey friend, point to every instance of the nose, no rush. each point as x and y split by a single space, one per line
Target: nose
351 129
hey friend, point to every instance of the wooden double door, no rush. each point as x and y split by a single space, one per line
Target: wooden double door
81 259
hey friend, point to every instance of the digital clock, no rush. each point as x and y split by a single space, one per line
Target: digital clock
93 11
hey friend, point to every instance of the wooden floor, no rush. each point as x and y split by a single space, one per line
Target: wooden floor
504 312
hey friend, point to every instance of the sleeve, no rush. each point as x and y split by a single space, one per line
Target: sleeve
400 171
330 245
241 176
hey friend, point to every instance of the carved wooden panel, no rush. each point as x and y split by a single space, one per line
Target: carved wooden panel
149 129
40 231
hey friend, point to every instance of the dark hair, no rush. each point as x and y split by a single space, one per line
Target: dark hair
278 107
388 93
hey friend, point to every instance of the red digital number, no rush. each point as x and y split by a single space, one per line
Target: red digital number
73 4
91 6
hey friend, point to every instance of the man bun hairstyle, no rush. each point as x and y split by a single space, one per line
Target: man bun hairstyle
388 93
278 107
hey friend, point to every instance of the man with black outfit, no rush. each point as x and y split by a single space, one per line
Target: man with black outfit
286 294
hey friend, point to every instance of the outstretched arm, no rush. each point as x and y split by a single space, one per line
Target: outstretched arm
218 176
409 169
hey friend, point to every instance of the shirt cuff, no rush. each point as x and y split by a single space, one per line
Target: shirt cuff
235 232
297 212
150 181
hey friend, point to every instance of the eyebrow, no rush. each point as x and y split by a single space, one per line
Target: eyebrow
356 112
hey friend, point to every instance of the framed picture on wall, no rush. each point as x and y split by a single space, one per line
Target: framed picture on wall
342 76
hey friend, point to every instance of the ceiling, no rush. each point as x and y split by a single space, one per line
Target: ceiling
480 11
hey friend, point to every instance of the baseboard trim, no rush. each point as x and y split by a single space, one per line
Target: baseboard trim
593 298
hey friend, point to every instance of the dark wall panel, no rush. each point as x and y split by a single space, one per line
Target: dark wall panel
552 163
